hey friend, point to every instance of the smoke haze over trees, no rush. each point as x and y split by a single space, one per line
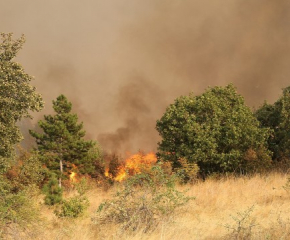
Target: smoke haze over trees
122 62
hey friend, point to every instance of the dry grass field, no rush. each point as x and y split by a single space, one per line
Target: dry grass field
256 207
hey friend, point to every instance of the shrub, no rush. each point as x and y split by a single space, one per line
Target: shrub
143 201
26 171
16 208
82 186
188 171
243 226
73 207
52 191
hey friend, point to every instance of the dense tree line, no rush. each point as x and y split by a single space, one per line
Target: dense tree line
219 133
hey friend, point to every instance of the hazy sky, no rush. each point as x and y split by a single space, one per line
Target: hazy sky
122 62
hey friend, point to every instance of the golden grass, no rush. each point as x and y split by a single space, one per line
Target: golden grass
216 205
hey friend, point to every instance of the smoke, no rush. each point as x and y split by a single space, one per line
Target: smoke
138 105
122 62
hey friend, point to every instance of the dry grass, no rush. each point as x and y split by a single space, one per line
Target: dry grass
217 204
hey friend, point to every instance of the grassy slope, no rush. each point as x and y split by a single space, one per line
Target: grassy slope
217 203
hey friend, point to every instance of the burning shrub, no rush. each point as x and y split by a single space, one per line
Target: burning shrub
144 200
134 164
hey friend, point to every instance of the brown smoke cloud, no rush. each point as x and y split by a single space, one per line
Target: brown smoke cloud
122 62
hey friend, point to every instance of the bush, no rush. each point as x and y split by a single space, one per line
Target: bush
243 225
26 171
73 207
188 171
143 201
16 208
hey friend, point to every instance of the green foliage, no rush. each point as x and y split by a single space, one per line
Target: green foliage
73 207
16 207
62 143
143 201
53 192
214 130
17 97
26 171
277 117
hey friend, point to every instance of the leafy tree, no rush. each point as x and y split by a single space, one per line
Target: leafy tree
17 97
61 144
277 117
215 130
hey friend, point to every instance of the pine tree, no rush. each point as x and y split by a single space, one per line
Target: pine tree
62 143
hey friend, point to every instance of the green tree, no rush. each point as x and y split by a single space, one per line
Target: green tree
17 97
62 143
215 130
52 191
277 117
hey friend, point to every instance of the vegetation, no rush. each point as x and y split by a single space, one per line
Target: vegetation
277 117
209 135
16 207
220 211
26 171
77 205
216 130
145 200
17 97
62 146
188 172
53 192
73 207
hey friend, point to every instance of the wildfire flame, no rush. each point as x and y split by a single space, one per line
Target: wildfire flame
72 177
133 165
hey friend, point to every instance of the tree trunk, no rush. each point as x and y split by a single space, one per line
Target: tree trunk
61 171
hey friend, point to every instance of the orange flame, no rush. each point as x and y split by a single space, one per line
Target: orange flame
133 165
72 177
107 174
